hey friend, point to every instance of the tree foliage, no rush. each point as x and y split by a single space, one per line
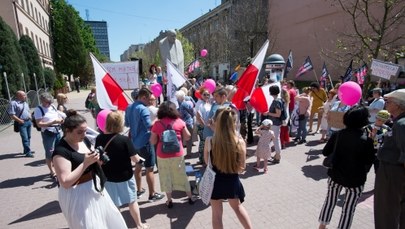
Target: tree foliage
11 60
71 55
376 31
33 63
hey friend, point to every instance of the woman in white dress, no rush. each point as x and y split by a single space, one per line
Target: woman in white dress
84 202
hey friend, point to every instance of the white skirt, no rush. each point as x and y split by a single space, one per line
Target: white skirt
84 207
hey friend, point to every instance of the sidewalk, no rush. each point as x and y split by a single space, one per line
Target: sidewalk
289 196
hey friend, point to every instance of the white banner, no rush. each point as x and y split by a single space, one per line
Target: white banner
126 74
383 69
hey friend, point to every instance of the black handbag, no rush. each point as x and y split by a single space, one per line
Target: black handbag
328 161
16 125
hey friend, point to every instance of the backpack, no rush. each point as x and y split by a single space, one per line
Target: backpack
34 122
170 143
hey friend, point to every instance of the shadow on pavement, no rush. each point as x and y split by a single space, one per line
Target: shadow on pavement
36 163
316 172
24 181
366 195
48 209
180 215
11 155
313 154
250 171
313 143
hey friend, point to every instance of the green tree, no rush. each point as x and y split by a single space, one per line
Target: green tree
188 49
50 77
376 31
33 63
71 56
11 60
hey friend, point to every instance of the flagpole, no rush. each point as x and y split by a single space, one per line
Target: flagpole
331 83
316 77
91 54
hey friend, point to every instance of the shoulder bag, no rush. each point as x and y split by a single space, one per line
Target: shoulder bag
16 125
206 184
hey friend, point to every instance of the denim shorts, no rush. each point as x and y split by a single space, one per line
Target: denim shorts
148 153
50 140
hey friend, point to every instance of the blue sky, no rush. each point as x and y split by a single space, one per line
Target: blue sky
136 21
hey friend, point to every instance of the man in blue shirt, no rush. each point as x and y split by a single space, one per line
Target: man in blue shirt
19 111
137 118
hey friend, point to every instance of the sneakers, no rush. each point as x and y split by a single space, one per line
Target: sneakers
28 155
140 193
156 196
302 141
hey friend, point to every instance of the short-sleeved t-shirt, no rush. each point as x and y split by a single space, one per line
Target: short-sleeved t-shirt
120 150
276 104
158 128
64 150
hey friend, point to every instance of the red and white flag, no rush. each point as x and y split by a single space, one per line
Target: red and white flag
261 98
109 94
247 80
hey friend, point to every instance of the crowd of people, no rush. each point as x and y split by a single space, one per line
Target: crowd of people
97 179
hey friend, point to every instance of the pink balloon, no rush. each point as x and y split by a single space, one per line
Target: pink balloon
156 89
210 85
203 52
349 93
102 119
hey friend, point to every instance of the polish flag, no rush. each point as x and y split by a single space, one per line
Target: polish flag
261 98
249 77
109 94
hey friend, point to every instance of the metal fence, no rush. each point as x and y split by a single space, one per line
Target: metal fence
32 100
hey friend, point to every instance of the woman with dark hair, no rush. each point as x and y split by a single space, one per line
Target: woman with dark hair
318 96
84 204
172 167
120 183
353 155
274 114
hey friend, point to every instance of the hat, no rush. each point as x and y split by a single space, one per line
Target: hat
134 93
383 115
377 89
267 122
397 94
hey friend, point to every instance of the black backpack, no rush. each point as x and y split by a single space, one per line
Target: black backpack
34 122
170 143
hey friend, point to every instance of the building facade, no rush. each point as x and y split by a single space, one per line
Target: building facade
232 33
31 18
100 33
132 49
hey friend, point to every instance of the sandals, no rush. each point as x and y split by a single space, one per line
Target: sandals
169 204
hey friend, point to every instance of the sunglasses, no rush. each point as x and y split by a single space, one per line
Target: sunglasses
206 94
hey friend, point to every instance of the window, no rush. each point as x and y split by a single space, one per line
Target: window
28 7
22 4
26 31
32 10
40 43
36 15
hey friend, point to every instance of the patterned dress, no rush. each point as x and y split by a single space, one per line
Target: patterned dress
263 149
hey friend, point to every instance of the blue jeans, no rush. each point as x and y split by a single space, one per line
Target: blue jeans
25 133
302 129
50 140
